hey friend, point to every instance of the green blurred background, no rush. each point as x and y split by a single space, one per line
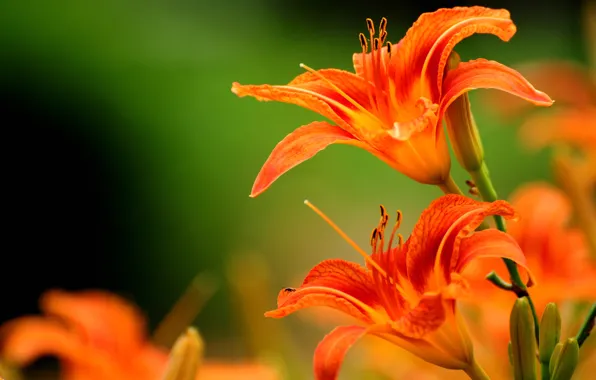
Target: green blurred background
128 161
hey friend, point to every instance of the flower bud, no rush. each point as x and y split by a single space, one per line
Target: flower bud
550 332
565 360
185 356
462 128
523 341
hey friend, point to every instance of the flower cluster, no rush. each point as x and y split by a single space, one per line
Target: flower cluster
428 294
483 286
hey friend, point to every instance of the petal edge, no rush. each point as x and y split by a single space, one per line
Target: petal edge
297 147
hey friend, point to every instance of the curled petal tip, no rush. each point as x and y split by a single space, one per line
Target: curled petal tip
273 314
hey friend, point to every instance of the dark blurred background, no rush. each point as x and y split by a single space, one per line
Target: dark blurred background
128 161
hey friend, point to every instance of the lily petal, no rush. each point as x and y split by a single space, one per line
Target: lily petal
431 39
482 73
439 231
339 284
491 243
334 94
298 147
427 316
330 353
102 319
29 338
350 84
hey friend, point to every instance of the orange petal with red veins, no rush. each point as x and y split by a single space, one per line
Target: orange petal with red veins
104 320
335 94
576 127
352 85
26 339
338 284
426 317
491 243
482 73
298 147
440 230
368 74
330 353
428 43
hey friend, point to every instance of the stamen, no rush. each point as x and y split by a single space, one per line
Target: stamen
374 239
389 48
351 242
395 228
383 25
363 43
384 219
376 43
370 26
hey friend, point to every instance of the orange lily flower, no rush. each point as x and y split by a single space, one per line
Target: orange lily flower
98 335
406 294
393 104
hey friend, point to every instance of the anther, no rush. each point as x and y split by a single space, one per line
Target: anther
370 26
383 36
373 237
376 44
363 42
389 48
383 25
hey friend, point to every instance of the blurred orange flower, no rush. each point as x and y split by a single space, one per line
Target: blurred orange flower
393 104
406 294
98 335
559 258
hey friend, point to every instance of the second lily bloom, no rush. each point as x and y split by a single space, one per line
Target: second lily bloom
393 105
407 294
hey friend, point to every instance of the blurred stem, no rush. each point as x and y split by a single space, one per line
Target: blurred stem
475 372
185 310
483 182
450 187
544 370
587 326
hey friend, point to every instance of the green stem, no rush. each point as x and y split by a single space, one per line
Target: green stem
587 326
450 187
475 372
488 193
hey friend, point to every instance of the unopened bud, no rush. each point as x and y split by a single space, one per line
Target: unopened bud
462 128
565 361
550 332
523 341
185 356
